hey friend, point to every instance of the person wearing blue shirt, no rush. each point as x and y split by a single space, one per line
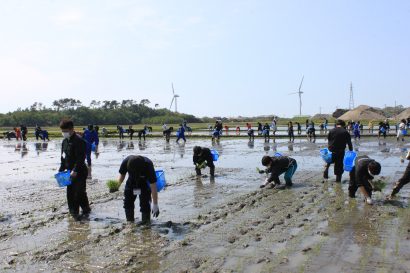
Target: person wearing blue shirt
91 137
181 133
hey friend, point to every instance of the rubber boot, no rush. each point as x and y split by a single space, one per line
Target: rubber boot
89 173
212 172
198 171
145 219
338 178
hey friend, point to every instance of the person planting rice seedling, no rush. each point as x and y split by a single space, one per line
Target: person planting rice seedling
130 132
167 133
140 170
202 157
181 133
361 177
73 154
356 130
382 129
251 134
338 139
404 180
299 127
276 166
24 132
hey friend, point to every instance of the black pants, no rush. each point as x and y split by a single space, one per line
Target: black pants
291 136
337 159
141 134
129 200
211 166
24 135
405 179
77 193
353 185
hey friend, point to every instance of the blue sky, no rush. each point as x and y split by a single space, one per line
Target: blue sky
225 58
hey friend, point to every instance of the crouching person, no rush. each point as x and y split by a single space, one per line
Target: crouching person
203 157
277 166
361 177
140 171
405 179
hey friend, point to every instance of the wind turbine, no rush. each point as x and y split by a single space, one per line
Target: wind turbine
300 96
174 98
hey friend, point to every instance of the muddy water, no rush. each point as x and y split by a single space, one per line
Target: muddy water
223 224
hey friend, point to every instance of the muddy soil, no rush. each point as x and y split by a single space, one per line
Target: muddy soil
226 224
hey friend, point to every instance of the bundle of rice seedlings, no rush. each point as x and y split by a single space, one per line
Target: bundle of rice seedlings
113 185
379 185
202 165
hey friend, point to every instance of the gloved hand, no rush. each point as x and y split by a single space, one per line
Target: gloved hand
369 201
155 210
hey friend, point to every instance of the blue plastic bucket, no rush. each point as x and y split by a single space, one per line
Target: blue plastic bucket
348 161
265 132
326 155
404 132
93 147
215 155
161 183
63 178
277 154
177 133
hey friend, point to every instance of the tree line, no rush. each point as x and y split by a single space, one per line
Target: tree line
97 112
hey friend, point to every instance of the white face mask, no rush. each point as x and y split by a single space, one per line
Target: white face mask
65 134
371 174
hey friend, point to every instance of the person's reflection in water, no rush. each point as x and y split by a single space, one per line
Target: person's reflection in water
181 149
130 145
141 145
167 147
290 147
24 150
251 144
120 145
78 233
275 147
18 147
104 143
44 146
266 147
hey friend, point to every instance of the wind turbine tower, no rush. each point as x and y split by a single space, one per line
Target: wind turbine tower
351 102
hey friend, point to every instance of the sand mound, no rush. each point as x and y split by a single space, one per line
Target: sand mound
404 115
363 112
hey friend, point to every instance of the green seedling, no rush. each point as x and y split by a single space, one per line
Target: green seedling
379 185
201 166
113 185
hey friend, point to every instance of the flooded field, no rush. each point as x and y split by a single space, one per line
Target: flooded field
226 224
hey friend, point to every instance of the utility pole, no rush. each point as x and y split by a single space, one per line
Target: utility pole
351 102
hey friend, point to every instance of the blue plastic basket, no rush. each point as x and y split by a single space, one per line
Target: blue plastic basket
404 132
278 154
265 132
326 155
348 161
93 147
161 183
215 155
63 178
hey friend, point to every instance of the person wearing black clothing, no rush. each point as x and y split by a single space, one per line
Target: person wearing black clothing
338 138
251 134
140 171
24 132
382 129
167 133
276 166
260 128
202 155
291 133
361 176
299 128
37 132
405 179
131 131
73 153
266 129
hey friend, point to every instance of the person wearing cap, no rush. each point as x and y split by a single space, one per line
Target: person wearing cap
140 170
91 137
276 166
73 153
203 157
338 139
361 177
405 179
